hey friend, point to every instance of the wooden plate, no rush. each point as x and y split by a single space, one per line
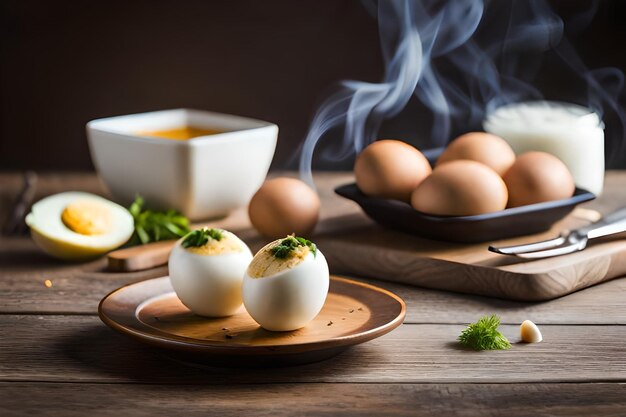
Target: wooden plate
150 312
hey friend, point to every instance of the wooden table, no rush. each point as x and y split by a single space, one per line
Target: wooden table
57 358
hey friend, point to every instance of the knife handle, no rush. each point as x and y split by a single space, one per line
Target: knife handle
610 224
140 257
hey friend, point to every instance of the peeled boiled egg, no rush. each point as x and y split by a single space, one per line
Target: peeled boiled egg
79 226
390 169
286 284
482 147
206 270
536 177
283 206
460 188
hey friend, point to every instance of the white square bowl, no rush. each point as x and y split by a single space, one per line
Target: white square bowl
203 177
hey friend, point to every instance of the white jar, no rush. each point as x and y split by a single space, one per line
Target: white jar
573 133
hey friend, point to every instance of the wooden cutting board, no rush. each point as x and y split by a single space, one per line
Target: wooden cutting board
372 251
356 246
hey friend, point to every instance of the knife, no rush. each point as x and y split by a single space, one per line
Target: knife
570 241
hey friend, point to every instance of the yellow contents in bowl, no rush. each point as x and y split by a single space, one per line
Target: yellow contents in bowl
87 217
180 133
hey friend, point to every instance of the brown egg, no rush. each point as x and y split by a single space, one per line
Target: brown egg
390 169
283 206
482 147
537 177
460 188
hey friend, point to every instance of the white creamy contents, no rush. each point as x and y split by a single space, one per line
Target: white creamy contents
572 133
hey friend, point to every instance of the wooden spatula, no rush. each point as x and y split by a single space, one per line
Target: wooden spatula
141 257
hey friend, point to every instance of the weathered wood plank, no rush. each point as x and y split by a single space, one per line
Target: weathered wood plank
56 182
486 400
417 369
77 289
48 183
81 349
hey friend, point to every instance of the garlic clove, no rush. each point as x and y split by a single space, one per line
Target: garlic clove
530 333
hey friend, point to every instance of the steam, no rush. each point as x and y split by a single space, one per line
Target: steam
458 63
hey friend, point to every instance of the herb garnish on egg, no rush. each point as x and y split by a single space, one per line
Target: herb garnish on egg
286 246
280 255
201 237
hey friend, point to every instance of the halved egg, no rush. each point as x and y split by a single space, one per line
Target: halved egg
79 226
286 284
206 269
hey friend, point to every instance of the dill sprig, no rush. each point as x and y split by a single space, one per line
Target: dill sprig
286 246
153 226
484 335
201 236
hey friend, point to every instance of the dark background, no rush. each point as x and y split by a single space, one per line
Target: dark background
64 63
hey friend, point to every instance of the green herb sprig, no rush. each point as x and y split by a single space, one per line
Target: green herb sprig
484 335
286 246
153 226
201 236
